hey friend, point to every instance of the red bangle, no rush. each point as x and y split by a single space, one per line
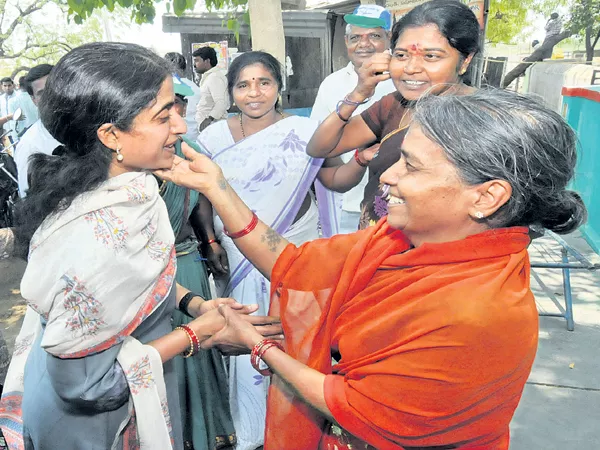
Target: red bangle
257 353
194 341
251 226
212 241
358 161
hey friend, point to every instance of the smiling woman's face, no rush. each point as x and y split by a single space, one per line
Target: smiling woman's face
150 142
255 91
427 199
422 58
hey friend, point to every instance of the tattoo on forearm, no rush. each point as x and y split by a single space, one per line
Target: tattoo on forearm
272 238
222 183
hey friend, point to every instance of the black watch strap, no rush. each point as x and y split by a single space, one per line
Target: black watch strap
185 301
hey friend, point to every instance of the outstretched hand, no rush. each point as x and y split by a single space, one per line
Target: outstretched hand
242 332
197 172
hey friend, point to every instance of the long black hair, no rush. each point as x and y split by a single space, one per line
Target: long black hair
92 85
454 19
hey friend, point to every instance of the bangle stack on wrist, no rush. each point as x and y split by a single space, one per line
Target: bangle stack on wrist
193 338
249 228
347 101
257 353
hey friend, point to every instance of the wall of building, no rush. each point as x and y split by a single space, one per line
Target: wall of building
546 79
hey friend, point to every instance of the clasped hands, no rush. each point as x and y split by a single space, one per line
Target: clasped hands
234 331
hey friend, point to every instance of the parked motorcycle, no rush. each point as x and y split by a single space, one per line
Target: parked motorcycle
9 184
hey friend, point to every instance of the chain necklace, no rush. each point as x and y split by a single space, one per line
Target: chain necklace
242 125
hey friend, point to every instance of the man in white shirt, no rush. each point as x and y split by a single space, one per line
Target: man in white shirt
26 104
214 98
367 33
8 105
179 64
36 139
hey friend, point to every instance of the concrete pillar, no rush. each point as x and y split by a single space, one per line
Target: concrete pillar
266 26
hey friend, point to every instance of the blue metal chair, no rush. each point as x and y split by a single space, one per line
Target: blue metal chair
570 259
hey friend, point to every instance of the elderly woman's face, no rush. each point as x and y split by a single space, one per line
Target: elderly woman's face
423 58
427 199
151 142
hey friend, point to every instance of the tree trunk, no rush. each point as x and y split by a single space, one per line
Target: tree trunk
266 27
589 49
537 55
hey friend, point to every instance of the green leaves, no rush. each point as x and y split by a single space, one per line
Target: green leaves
144 11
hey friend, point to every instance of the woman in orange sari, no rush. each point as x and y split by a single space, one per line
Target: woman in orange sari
430 312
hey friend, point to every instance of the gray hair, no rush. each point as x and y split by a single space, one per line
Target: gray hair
499 135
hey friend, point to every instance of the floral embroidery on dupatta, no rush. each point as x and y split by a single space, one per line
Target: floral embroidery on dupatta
136 192
139 375
157 250
108 228
22 345
86 310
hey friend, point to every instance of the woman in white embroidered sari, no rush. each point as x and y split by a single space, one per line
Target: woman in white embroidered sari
263 155
92 365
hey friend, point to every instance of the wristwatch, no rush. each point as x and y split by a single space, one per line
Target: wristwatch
185 301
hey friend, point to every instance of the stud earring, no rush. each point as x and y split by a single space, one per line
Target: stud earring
479 215
119 155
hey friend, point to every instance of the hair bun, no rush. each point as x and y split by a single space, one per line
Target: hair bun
571 214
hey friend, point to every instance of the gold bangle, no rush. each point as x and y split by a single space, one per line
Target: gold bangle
190 352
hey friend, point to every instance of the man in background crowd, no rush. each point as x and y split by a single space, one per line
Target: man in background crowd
367 33
36 139
214 98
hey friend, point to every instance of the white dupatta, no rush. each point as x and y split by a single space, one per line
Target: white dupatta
96 271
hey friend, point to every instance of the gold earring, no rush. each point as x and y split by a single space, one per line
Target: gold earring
119 155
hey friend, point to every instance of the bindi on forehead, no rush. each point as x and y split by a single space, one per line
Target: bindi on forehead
415 49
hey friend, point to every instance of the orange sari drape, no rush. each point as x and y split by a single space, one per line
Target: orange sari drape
436 342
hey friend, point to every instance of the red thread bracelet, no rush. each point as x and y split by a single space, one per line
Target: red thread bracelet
212 241
257 354
249 228
358 161
194 341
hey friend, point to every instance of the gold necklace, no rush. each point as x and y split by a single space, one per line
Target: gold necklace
397 130
242 125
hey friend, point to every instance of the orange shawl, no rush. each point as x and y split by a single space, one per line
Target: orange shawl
436 342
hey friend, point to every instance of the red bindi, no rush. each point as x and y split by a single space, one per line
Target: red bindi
414 49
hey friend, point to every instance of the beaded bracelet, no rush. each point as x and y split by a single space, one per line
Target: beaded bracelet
257 354
249 228
358 161
193 338
347 101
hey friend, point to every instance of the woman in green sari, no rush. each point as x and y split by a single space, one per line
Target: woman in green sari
202 380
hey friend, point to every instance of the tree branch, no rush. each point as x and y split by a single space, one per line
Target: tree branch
537 55
596 40
26 48
19 69
35 6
